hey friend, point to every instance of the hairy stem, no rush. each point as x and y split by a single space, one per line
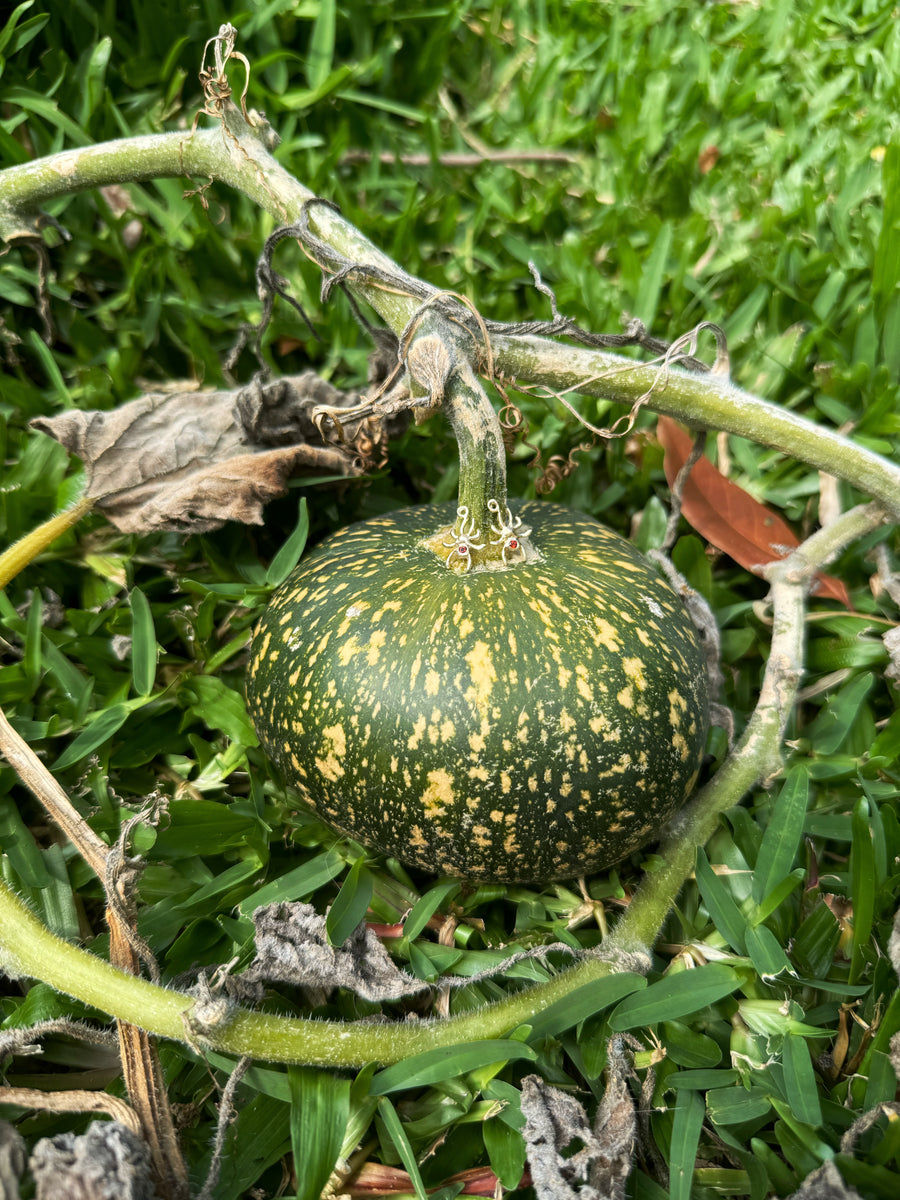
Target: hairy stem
439 363
29 949
239 155
440 369
232 153
704 401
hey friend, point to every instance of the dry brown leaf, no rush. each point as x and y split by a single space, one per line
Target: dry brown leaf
73 1100
615 1125
190 461
707 159
729 518
374 1179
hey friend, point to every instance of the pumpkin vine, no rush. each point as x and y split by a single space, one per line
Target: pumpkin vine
526 354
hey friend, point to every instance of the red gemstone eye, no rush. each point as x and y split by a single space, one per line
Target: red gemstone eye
463 549
513 544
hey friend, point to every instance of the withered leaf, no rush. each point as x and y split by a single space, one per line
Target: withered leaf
892 645
730 518
13 1157
555 1121
615 1126
374 1179
107 1162
192 460
292 948
826 1183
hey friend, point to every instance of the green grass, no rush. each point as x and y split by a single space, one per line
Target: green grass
735 162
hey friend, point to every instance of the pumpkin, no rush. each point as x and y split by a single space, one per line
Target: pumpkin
491 692
529 724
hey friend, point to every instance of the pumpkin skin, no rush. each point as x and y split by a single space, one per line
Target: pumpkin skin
532 723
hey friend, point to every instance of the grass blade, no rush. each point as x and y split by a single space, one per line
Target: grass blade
767 954
702 1081
506 1151
426 906
143 643
32 660
397 1134
653 275
584 1002
107 723
447 1062
885 268
778 895
689 1112
689 1048
16 38
320 1109
20 849
321 45
294 885
800 1080
289 554
350 904
783 834
862 885
727 917
816 942
735 1105
675 996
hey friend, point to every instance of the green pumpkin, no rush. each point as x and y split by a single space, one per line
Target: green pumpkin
533 722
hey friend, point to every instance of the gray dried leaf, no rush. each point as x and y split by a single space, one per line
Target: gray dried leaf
863 1124
826 1183
108 1162
554 1121
538 953
227 1114
13 1158
615 1126
894 943
191 460
24 1040
292 948
892 645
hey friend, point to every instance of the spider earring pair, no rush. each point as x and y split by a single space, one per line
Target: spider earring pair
462 538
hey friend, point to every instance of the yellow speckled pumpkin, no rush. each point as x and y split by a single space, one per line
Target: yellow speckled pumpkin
534 721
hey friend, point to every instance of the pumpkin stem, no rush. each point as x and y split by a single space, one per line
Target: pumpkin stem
485 535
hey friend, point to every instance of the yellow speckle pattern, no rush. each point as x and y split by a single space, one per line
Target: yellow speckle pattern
481 669
528 724
329 764
438 796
